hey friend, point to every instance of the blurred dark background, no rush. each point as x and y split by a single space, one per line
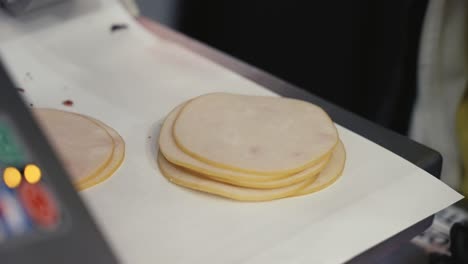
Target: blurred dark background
358 54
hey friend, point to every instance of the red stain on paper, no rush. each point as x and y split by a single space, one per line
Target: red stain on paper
67 103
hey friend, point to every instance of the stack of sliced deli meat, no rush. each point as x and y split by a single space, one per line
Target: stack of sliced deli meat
250 148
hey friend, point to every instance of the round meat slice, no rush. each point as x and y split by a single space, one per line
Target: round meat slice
114 163
330 173
198 182
82 144
255 134
176 156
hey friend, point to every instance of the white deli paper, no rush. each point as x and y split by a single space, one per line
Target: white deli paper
131 79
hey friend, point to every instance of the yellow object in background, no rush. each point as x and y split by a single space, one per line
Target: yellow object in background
32 173
12 177
462 133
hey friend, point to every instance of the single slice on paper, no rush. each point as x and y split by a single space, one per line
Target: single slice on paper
86 147
192 180
176 156
255 134
330 173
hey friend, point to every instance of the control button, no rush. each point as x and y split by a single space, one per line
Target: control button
11 152
14 218
39 204
12 177
32 173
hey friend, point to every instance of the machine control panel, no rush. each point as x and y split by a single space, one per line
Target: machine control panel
28 206
42 217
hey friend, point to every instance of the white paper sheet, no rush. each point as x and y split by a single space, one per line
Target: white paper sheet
130 80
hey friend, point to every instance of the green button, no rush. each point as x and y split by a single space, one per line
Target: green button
10 153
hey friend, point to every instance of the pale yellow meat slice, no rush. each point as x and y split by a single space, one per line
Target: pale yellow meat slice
330 173
83 145
255 134
112 166
175 155
192 180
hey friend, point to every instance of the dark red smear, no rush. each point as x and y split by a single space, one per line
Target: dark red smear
68 103
20 90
